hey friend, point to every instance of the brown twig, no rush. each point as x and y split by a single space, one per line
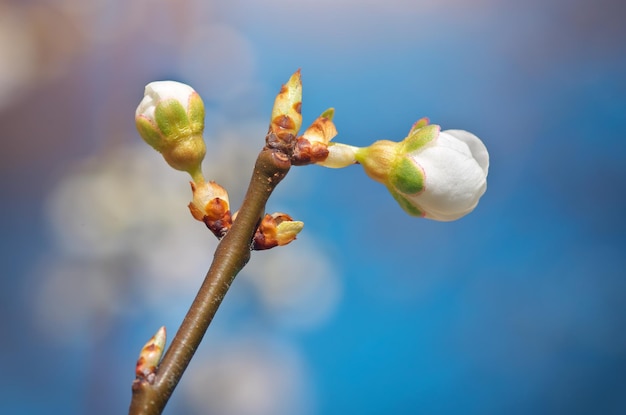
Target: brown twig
233 252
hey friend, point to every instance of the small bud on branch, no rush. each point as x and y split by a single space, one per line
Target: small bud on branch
150 356
312 145
277 229
210 205
171 119
286 116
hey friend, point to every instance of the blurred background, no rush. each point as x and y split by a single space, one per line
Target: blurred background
517 308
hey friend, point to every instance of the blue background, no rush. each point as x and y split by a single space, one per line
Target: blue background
516 308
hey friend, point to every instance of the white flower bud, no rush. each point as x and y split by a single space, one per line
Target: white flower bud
437 175
455 167
171 119
158 91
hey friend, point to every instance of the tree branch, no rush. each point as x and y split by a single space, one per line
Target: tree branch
231 255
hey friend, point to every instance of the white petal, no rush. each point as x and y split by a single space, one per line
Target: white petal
146 107
454 179
476 146
161 90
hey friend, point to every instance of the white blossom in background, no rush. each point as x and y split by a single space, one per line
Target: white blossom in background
17 53
118 221
72 295
297 284
126 241
249 375
228 56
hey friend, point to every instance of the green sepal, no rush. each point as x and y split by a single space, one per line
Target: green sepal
422 122
196 114
149 132
171 118
378 159
329 113
407 177
420 137
405 204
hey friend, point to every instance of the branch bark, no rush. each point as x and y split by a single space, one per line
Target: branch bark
231 255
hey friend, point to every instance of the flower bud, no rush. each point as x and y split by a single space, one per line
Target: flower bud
286 114
210 205
277 229
322 130
433 174
312 146
150 356
171 119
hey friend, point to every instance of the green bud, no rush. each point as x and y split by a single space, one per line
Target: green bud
286 113
171 119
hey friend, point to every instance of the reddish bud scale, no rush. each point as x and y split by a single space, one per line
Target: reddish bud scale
312 146
219 226
215 215
283 124
266 235
210 205
306 152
